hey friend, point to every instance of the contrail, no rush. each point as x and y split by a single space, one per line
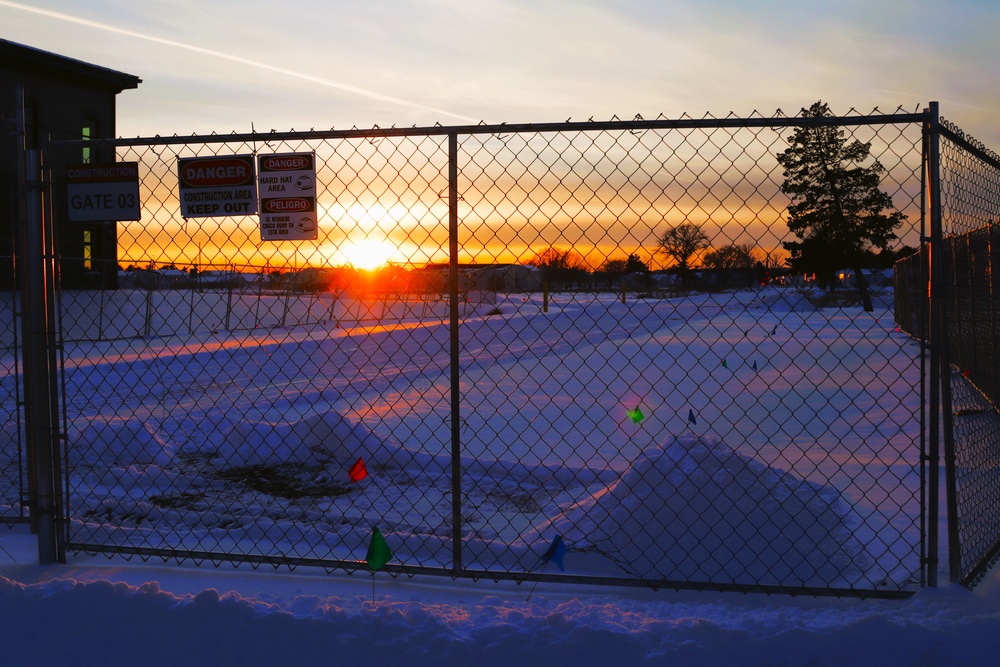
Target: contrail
225 56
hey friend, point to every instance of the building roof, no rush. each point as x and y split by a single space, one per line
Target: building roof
14 56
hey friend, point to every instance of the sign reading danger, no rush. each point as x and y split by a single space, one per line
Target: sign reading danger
217 186
287 184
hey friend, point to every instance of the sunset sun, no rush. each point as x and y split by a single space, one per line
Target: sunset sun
368 254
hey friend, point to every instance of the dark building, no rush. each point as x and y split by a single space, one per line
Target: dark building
63 99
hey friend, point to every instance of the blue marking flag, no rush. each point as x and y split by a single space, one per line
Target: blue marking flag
555 553
691 417
755 364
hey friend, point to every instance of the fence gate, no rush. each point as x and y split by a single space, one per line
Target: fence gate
970 222
503 342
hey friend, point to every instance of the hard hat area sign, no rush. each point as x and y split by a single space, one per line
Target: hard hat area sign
98 192
217 186
287 184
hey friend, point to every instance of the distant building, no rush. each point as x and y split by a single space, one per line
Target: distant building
876 278
515 278
63 99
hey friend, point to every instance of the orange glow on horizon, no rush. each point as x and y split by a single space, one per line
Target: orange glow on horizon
366 254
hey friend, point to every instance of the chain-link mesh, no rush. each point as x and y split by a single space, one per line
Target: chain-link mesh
487 347
13 468
970 214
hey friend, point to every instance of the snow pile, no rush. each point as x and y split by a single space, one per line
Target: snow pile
785 301
324 437
118 442
693 509
90 619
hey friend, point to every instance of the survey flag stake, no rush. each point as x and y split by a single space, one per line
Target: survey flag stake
636 415
358 471
691 417
378 551
378 555
555 553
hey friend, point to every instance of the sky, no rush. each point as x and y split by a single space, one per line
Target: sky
226 66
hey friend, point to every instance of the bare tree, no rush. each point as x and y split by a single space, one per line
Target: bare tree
680 243
560 267
730 258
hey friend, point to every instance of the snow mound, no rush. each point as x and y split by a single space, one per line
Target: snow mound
324 438
693 509
786 301
118 442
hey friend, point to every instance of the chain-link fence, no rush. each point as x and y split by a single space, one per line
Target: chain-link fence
970 213
13 468
496 339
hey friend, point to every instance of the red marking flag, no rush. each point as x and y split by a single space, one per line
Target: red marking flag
358 471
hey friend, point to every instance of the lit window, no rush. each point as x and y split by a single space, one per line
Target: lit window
88 132
88 251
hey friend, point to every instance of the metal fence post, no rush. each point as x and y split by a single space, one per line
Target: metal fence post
940 371
456 420
939 297
38 391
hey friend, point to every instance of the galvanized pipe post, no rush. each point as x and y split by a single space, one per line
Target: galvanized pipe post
41 436
456 394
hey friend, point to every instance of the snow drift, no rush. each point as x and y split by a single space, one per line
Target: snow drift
693 509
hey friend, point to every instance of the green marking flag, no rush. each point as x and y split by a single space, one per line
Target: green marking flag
724 364
636 415
378 551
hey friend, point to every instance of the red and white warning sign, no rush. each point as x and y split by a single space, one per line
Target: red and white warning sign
217 186
287 183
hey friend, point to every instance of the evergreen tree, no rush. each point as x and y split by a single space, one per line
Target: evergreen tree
837 210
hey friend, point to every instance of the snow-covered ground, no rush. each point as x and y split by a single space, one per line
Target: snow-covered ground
758 409
109 612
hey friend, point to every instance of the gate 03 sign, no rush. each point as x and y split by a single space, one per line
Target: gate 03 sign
287 184
99 192
217 186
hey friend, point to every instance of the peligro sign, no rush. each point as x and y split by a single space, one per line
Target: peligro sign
287 186
287 205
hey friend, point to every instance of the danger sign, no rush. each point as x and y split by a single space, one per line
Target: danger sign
287 183
217 186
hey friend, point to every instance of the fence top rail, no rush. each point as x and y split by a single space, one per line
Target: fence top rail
970 144
636 124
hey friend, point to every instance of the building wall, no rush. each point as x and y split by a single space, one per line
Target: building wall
63 99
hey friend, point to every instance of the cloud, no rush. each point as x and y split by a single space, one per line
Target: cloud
304 76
